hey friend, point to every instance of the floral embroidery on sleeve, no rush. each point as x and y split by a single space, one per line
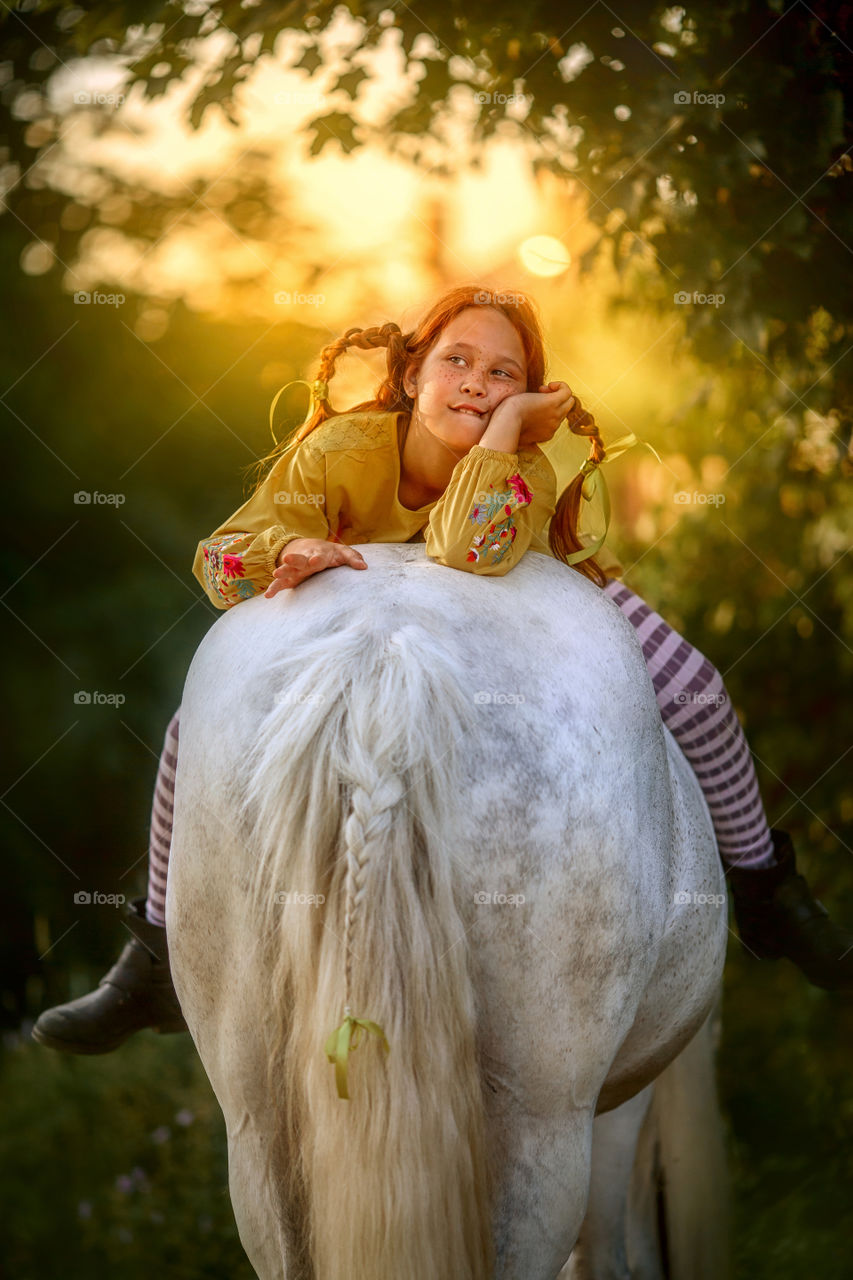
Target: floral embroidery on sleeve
497 507
523 494
224 570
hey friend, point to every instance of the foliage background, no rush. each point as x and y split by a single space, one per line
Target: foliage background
123 1158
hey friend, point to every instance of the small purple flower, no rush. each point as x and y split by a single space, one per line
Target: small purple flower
161 1134
184 1117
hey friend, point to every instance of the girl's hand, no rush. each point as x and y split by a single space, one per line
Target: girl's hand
303 557
527 417
544 410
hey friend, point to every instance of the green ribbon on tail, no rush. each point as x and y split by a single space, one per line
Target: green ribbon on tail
338 1046
319 391
593 479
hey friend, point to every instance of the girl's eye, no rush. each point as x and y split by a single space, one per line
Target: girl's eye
509 375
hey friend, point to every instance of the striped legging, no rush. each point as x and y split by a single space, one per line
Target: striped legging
694 705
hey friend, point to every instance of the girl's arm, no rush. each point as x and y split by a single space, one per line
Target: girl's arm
238 560
494 509
501 494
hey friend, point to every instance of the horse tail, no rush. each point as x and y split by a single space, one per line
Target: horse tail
682 1157
352 789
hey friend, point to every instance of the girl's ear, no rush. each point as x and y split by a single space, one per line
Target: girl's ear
410 373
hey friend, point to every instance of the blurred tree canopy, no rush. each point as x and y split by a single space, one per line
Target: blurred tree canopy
713 139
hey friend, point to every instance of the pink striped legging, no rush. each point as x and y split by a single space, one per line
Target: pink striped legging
694 705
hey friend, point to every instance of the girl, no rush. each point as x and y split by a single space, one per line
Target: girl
447 453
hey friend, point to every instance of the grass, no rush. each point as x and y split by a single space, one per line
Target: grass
114 1165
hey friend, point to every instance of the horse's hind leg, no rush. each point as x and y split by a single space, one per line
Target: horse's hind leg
268 1240
601 1252
541 1192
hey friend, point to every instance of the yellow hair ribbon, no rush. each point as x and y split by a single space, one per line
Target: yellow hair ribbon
338 1046
319 391
590 470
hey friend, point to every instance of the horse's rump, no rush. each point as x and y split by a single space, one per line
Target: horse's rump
453 773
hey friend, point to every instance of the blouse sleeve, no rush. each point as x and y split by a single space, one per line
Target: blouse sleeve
494 509
238 559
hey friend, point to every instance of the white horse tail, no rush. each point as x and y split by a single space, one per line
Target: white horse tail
352 790
681 1156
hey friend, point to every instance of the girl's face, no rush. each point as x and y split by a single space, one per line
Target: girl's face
477 360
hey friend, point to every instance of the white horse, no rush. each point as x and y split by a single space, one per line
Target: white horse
447 804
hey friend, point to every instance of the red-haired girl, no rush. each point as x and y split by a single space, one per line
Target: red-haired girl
447 453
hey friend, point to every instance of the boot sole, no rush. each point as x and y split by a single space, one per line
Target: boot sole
77 1046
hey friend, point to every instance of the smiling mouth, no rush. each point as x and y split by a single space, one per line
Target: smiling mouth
471 413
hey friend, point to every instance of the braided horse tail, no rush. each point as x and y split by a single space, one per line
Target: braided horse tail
352 789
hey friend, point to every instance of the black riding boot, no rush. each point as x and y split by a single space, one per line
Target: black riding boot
777 916
137 992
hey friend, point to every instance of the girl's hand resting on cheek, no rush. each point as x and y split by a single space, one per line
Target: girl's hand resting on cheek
304 556
544 410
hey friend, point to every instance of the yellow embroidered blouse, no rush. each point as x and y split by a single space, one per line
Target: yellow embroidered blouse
341 484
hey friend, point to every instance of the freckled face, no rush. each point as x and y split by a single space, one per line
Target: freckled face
478 360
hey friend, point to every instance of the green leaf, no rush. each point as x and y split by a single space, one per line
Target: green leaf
335 126
309 61
350 82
